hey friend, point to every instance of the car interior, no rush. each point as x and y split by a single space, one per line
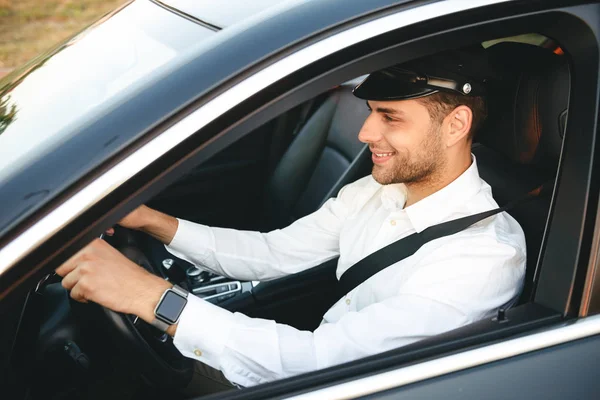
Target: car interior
281 171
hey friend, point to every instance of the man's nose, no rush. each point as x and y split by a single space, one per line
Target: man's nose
369 132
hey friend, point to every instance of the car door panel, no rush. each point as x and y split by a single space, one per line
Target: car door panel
566 371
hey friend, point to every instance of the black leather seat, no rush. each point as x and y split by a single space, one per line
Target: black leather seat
519 147
324 156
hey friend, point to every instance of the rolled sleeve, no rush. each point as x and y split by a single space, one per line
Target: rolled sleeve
185 243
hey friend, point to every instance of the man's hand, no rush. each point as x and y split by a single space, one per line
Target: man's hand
101 274
162 226
137 219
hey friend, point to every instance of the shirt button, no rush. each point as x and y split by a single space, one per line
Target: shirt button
198 353
393 222
348 301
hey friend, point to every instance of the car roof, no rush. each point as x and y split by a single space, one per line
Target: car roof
213 13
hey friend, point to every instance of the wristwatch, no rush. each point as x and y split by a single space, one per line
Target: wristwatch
169 308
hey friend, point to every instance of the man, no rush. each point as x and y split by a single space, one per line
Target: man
423 116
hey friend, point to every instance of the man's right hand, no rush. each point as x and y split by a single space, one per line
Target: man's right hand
155 223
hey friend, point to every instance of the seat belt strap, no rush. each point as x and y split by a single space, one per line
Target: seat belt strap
407 246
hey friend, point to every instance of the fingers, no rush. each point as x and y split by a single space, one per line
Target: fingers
87 253
81 282
74 283
78 294
110 231
71 279
70 264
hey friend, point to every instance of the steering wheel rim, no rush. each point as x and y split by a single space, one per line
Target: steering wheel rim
152 353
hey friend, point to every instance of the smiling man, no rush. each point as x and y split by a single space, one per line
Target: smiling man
423 117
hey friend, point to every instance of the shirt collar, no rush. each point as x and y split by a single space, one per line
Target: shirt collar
436 207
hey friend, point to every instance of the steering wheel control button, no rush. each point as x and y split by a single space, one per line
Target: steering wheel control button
198 353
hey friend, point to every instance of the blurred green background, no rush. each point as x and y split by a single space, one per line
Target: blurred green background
30 27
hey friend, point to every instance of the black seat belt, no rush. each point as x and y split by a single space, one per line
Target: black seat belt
406 247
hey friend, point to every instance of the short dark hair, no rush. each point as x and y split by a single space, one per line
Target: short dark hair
441 104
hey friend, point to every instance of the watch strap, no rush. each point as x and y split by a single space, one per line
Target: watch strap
160 325
180 291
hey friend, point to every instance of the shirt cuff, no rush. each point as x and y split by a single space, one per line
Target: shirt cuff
202 331
192 242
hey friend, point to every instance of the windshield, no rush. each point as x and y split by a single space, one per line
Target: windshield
48 100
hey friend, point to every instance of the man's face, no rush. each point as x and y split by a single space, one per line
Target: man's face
406 146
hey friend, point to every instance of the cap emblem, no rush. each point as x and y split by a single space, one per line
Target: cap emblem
467 88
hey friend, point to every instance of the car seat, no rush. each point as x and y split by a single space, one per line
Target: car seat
324 156
519 147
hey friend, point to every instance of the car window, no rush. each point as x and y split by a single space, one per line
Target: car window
53 96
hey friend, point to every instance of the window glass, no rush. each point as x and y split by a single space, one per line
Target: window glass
59 93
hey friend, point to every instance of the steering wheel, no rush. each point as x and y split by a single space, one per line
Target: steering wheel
152 352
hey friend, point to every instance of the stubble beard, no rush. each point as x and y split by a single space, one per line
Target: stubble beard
423 168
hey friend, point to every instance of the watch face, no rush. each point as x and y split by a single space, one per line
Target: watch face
171 307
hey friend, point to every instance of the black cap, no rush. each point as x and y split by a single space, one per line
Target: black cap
463 71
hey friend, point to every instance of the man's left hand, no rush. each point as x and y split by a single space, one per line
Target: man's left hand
101 274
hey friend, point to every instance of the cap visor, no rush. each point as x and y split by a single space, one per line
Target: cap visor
379 86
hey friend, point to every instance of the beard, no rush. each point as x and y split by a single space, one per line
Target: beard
422 167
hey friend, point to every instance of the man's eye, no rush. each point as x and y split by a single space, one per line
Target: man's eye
387 118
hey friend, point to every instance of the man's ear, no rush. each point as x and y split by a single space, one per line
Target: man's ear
458 125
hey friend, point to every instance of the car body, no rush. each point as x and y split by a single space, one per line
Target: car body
179 89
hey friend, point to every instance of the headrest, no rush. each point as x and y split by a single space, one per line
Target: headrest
527 106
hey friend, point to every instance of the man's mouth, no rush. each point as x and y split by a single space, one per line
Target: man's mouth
380 157
383 154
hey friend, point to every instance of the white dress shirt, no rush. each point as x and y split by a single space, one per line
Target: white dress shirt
449 282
